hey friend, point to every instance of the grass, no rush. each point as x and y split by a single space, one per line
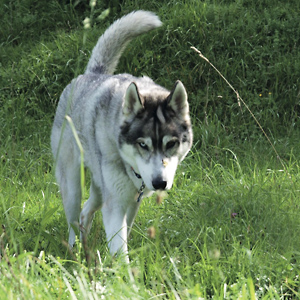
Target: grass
229 228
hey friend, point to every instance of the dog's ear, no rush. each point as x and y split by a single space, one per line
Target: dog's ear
177 100
133 101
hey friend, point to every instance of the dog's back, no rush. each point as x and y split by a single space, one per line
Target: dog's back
102 63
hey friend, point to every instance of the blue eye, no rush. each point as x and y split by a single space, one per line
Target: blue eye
143 146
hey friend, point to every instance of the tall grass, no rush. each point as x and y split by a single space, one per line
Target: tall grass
230 226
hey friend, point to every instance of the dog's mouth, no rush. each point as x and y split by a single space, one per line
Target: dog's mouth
137 175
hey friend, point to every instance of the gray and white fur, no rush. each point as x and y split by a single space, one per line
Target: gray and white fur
134 134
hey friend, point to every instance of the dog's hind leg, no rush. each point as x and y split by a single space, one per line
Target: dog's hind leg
90 206
68 176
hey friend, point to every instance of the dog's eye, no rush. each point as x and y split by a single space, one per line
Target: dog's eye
170 145
143 146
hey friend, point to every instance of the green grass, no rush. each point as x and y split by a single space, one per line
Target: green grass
230 227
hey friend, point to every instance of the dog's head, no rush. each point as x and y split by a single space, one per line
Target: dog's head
156 133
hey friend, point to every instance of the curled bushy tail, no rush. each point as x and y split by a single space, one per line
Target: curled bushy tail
111 44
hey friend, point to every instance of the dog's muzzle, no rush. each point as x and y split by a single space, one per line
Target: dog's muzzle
159 184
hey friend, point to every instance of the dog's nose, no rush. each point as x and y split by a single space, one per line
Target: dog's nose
159 184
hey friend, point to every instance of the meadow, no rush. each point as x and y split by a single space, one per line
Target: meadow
230 226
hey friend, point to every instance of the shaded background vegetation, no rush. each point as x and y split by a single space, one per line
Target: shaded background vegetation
254 44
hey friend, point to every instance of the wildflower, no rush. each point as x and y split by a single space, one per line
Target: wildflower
87 23
93 3
233 215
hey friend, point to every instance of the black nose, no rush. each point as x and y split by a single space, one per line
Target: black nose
159 184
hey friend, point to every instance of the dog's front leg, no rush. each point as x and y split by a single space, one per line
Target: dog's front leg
114 220
87 214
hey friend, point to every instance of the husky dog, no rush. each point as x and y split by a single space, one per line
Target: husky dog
133 132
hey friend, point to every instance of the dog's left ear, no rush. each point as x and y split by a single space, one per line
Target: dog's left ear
133 101
177 100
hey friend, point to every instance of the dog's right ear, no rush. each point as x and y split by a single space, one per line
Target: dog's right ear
133 101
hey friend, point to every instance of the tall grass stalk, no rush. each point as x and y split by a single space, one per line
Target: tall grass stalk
239 99
82 177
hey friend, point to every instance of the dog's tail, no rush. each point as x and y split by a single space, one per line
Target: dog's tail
111 44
